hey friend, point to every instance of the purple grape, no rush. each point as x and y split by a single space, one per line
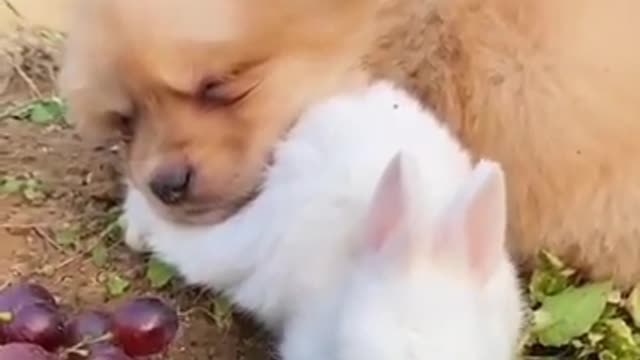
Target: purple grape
37 323
88 325
22 294
25 351
144 326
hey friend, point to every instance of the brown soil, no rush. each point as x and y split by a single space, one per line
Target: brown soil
82 190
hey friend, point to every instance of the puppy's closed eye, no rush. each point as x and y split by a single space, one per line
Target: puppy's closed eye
228 90
215 93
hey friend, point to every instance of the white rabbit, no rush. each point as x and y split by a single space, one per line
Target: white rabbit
296 240
430 284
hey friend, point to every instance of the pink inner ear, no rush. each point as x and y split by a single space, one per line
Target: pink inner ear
388 209
486 218
477 219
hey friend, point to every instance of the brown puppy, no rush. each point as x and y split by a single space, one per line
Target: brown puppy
201 90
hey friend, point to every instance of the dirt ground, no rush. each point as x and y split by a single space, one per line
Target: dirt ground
78 188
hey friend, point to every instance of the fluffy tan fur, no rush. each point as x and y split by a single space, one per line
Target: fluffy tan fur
549 88
552 90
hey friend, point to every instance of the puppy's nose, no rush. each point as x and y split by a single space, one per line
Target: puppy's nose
170 184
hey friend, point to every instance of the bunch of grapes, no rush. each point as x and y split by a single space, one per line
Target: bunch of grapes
32 327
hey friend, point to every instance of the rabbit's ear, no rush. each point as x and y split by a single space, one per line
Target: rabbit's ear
476 220
388 212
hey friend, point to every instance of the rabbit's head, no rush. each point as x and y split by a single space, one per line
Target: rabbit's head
432 285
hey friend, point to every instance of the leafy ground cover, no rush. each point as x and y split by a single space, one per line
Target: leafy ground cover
577 319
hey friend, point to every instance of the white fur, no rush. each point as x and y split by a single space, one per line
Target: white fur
296 241
419 296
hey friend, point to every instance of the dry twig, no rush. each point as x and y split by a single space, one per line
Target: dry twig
13 9
45 236
30 83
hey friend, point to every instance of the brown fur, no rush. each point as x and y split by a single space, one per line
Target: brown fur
552 90
549 88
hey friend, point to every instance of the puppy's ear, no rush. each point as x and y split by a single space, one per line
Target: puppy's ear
93 99
86 79
87 111
100 127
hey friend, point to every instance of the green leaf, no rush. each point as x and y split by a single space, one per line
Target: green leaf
67 237
100 255
619 340
32 190
115 230
45 112
41 114
607 355
117 286
611 311
550 277
10 185
632 305
570 313
32 194
159 273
